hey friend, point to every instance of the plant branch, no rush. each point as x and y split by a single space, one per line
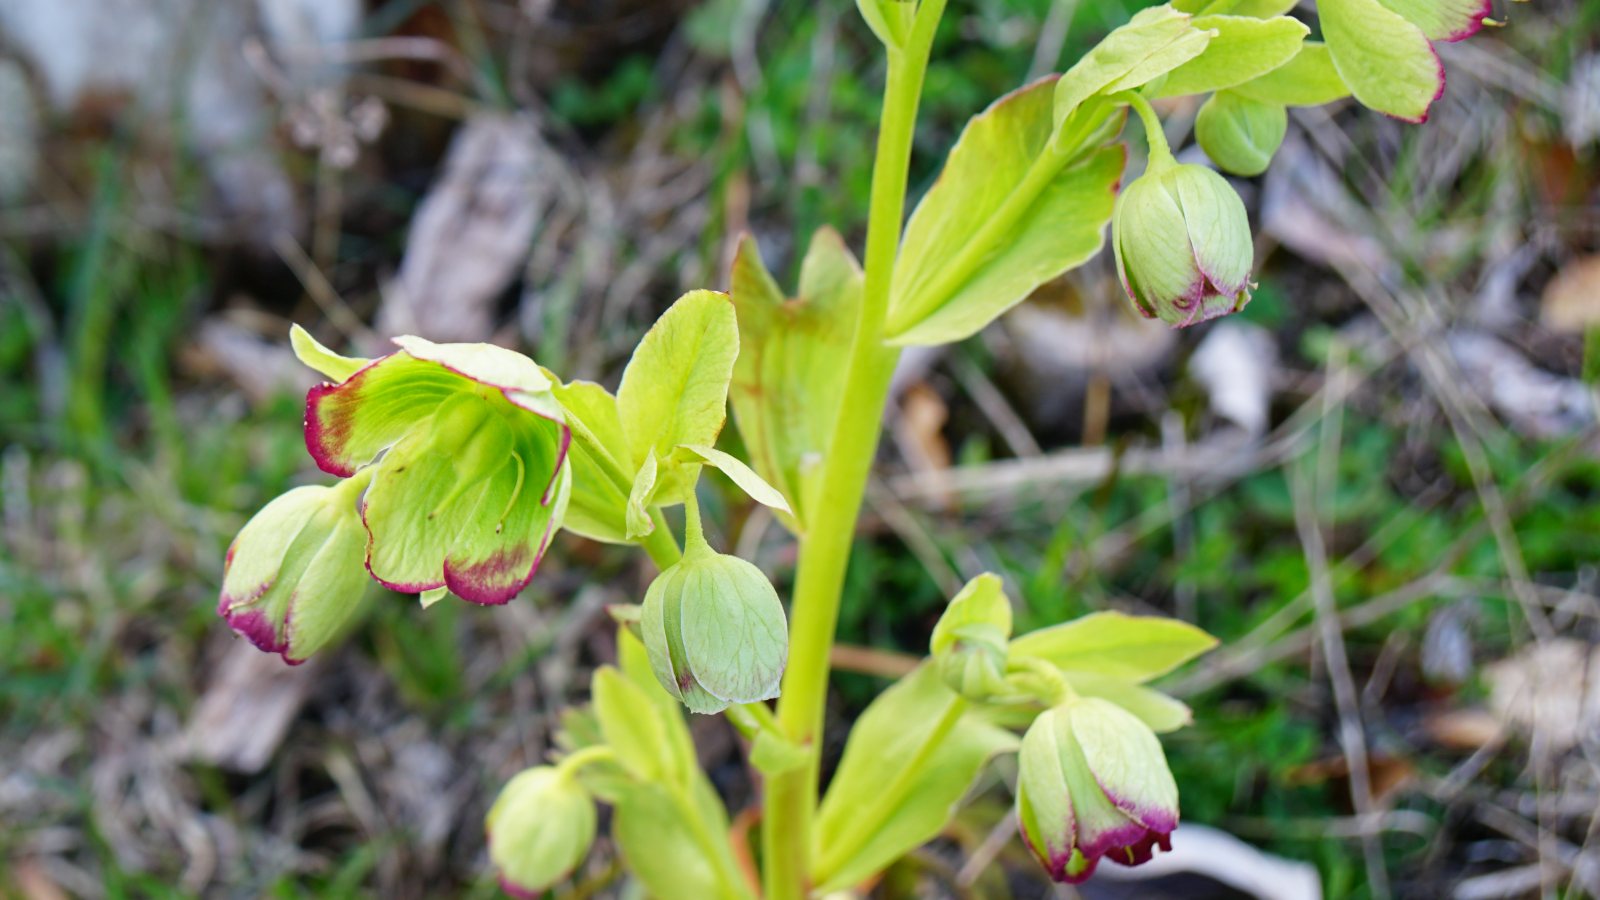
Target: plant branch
825 550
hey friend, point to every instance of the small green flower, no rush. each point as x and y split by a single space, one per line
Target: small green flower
715 631
1092 783
469 449
293 578
969 642
539 828
1182 243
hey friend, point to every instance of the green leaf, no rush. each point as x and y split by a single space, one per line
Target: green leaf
1388 62
1063 226
742 475
679 761
1309 79
1133 648
675 388
640 500
1154 42
315 356
890 20
1240 134
1244 48
602 467
1443 20
787 380
658 842
1162 713
885 738
630 722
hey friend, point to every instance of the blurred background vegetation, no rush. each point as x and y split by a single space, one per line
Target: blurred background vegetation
1380 486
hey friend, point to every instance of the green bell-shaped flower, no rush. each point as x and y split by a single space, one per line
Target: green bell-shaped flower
293 578
714 629
1182 243
969 642
539 828
469 449
1092 783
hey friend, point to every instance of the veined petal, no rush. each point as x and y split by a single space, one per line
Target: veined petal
1126 762
1044 804
468 500
350 423
1444 20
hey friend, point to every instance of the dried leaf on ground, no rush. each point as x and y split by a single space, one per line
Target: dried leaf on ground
1235 363
1536 402
472 234
1550 690
251 701
1572 298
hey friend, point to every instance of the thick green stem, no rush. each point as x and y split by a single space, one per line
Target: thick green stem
786 827
880 807
659 543
1154 134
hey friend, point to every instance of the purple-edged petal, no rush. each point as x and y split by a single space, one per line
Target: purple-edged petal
348 424
1387 61
293 578
1125 759
1444 20
468 500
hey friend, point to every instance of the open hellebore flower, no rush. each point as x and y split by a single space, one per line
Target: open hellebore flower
540 828
470 475
715 631
1182 243
293 577
1093 784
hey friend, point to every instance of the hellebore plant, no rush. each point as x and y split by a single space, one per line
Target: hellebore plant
459 463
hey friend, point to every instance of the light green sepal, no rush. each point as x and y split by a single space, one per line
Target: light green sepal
1388 62
315 356
1244 48
1154 42
602 467
1309 79
742 475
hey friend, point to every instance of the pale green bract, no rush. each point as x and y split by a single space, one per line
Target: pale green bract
1059 228
787 379
1134 648
602 465
1244 48
1309 79
885 738
1154 42
675 388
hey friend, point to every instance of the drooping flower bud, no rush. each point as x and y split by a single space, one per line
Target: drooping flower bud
1182 244
969 643
294 576
540 828
1093 783
715 631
